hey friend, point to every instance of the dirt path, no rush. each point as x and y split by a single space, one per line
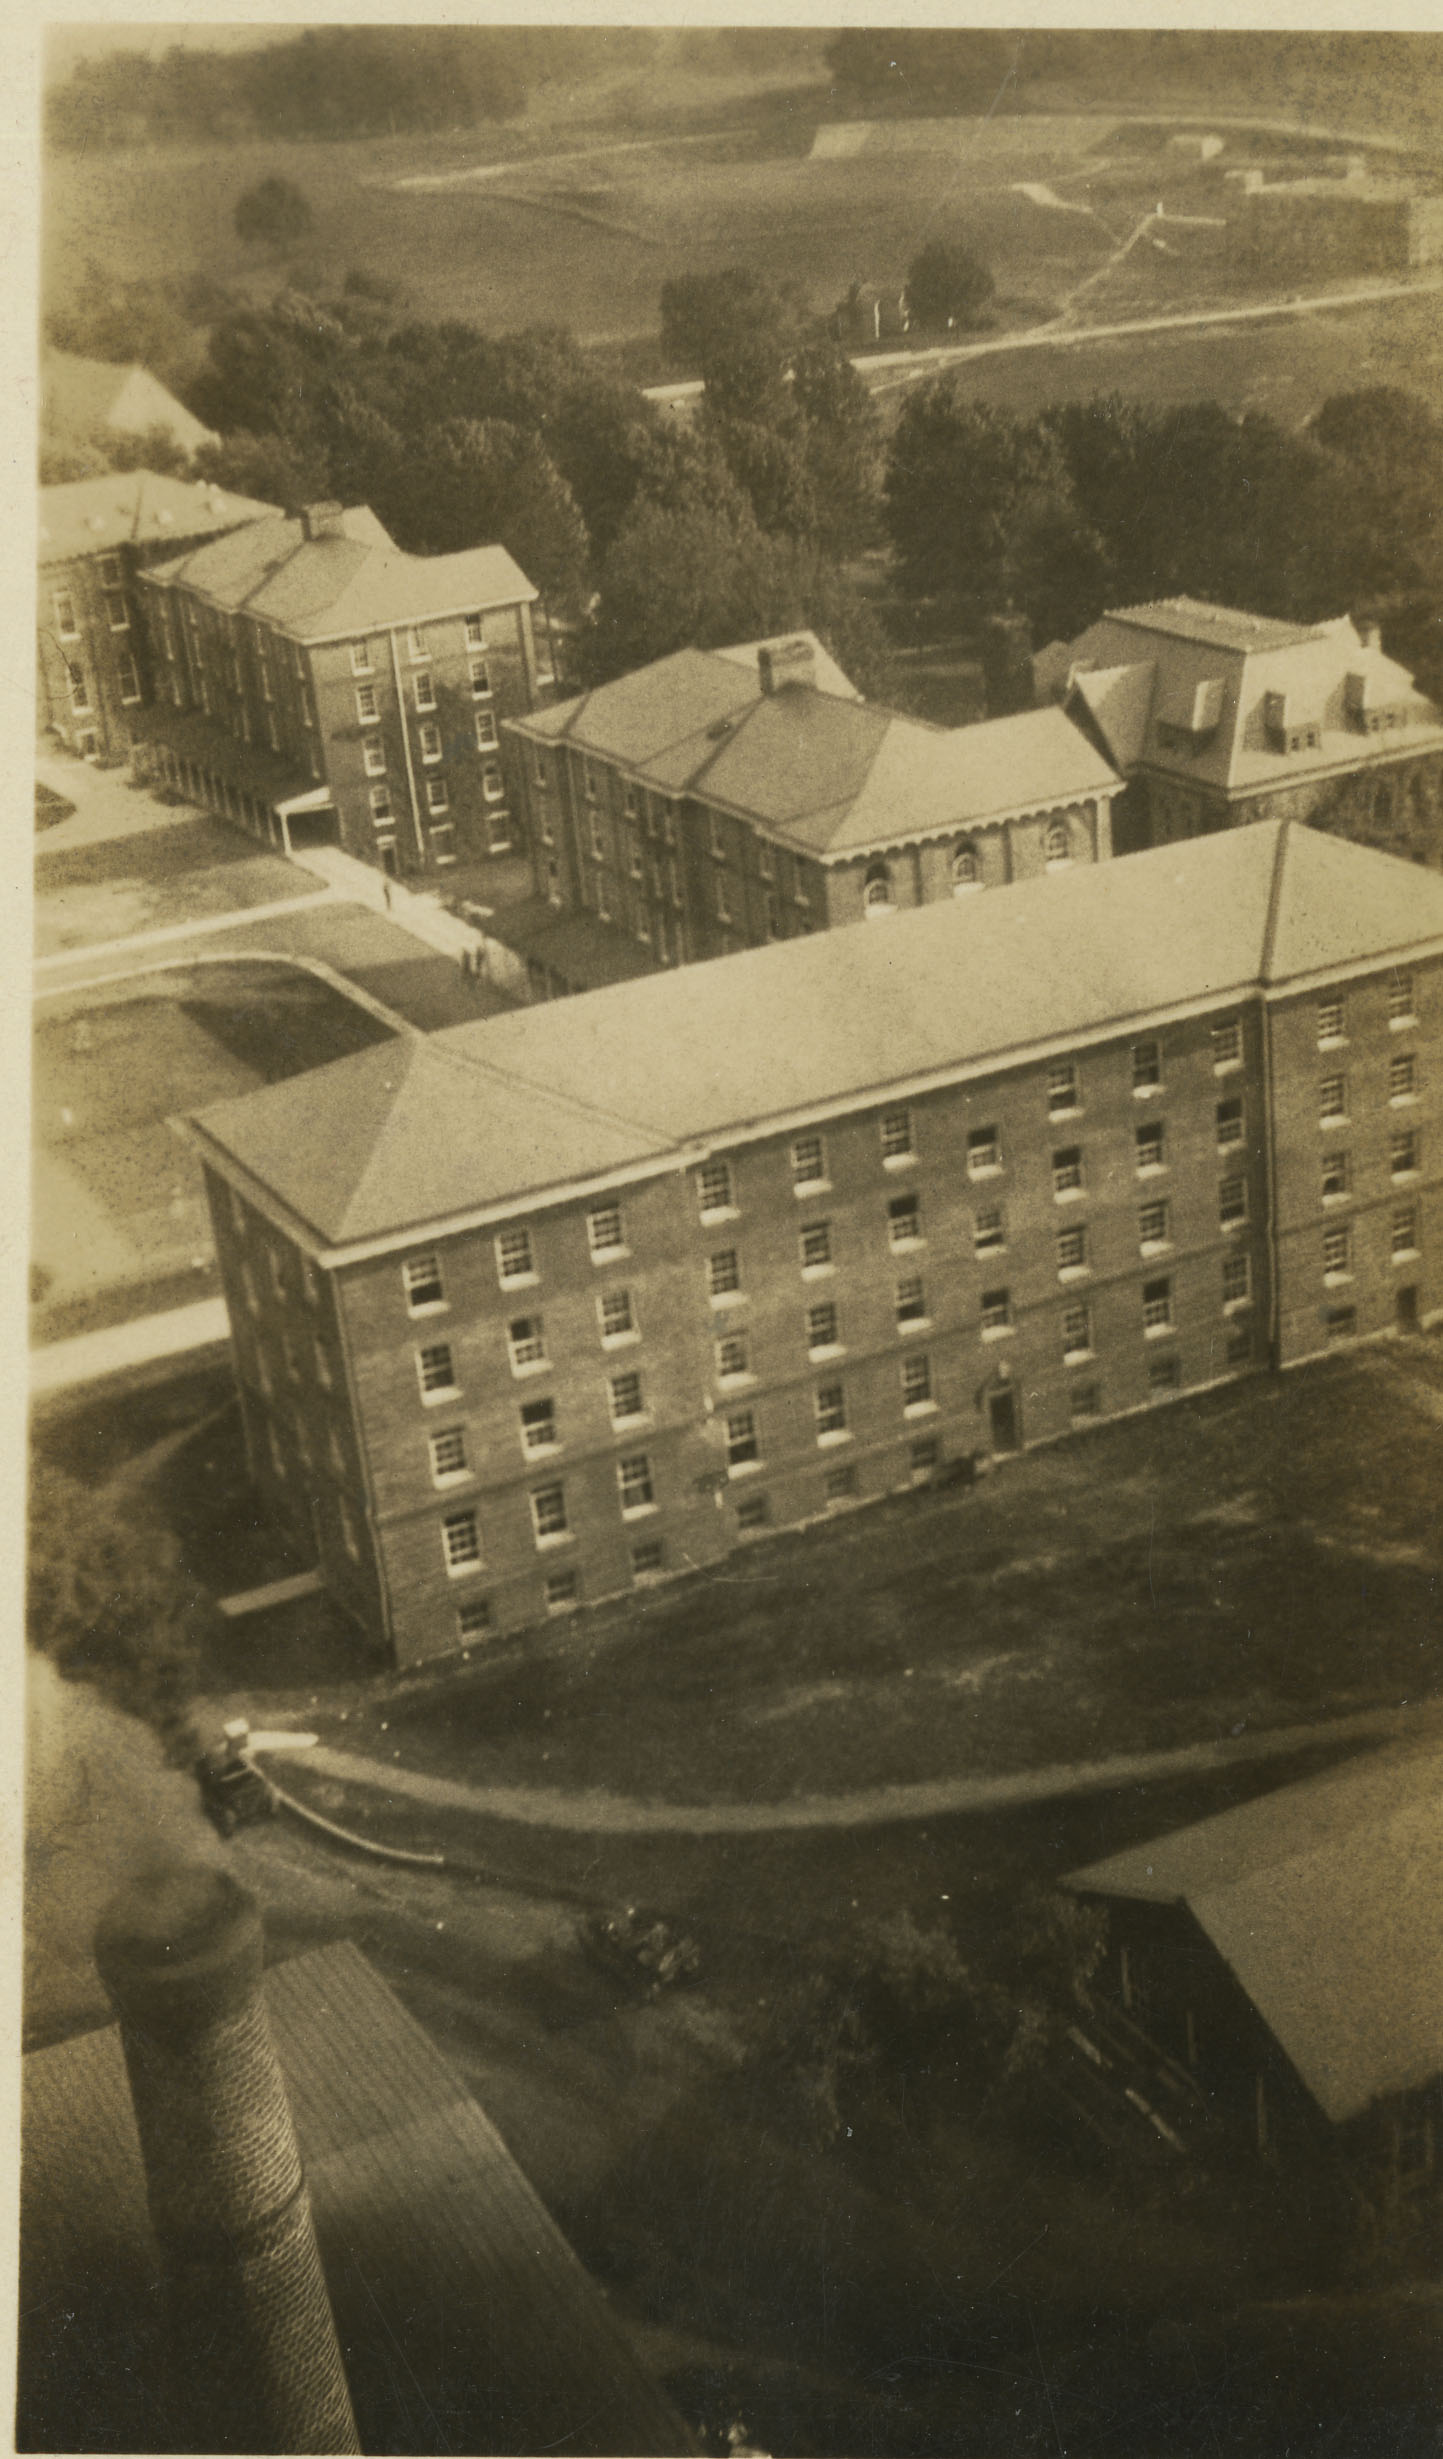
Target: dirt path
598 1813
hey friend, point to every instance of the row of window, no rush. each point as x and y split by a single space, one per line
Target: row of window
1333 1093
966 866
373 749
418 645
423 694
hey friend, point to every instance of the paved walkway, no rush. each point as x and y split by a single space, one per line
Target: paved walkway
596 1813
97 1354
362 884
194 929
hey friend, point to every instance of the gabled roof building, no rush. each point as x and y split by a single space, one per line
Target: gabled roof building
96 536
533 1311
318 685
723 798
85 400
1216 717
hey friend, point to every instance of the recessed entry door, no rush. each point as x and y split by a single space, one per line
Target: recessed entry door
1002 1412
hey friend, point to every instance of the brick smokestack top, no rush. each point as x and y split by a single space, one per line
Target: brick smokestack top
257 2361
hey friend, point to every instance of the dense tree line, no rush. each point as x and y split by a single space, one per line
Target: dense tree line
1109 502
331 81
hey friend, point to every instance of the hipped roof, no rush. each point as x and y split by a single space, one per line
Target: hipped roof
346 581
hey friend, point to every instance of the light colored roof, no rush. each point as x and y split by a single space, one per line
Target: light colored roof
826 673
1184 658
349 581
499 1113
465 2319
826 774
82 397
93 516
1323 1898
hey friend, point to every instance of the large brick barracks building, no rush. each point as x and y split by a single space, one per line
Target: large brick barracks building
534 1310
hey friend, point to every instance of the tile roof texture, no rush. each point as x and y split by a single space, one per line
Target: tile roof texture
827 774
1140 667
499 1113
1323 1899
94 516
347 581
466 2321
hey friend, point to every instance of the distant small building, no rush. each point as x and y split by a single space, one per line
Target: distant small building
96 536
1195 147
1217 717
1289 1953
869 314
86 400
1321 227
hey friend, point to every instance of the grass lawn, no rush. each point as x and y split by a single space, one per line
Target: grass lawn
184 872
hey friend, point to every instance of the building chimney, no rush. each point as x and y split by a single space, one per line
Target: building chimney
257 2362
322 520
1007 665
781 663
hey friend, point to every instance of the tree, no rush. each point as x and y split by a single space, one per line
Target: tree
770 467
964 486
843 447
267 468
706 315
1386 447
109 1600
486 480
948 285
273 214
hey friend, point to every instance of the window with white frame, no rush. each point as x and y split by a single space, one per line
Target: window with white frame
80 703
425 1289
984 1151
475 632
822 1327
1403 1078
966 868
1146 1066
815 1245
438 796
474 1619
117 611
1067 1178
513 1255
1071 1252
127 675
1404 1153
996 1310
112 572
896 1129
1237 1280
625 1397
1332 1100
360 657
904 1221
1230 1122
1227 1042
526 1342
1332 1020
1056 844
1164 1374
614 1310
486 737
809 1162
605 1231
633 1477
1157 1306
480 679
989 1230
1062 1092
1232 1202
917 1386
1085 1400
648 1558
548 1512
373 755
723 1274
1403 1230
418 648
428 742
1400 999
492 784
1076 1331
448 1455
367 706
538 1426
877 889
911 1299
1336 1176
1337 1252
732 1358
381 802
714 1187
840 1484
1151 1146
436 1367
830 1407
67 622
740 1436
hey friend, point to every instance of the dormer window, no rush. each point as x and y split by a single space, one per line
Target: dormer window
1191 717
1286 729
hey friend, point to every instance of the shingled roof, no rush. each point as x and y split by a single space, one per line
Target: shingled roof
1141 671
826 774
347 580
1323 1900
94 516
487 1115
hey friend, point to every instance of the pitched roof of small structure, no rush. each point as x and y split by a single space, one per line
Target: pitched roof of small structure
1323 1899
82 397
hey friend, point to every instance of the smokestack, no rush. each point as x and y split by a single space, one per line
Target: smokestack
256 2353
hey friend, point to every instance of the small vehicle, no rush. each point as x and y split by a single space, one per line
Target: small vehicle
644 1947
233 1791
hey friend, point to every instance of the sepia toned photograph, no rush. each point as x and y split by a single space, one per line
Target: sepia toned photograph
734 1684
